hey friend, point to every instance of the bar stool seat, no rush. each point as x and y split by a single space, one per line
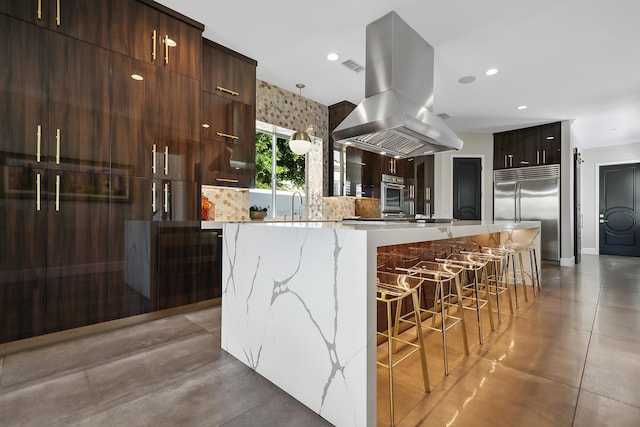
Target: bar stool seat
497 259
448 293
393 289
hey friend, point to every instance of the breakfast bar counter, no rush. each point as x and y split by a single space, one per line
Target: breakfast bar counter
299 303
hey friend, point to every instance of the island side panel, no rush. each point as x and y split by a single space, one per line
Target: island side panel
294 309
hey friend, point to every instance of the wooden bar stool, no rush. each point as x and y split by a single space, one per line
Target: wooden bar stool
393 289
448 293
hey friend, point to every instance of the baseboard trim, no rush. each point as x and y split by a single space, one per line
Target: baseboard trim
590 251
83 331
568 262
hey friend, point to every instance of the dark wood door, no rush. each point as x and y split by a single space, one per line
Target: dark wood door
85 20
79 96
23 107
131 248
77 248
135 122
135 30
186 56
619 214
228 143
227 73
180 126
467 190
81 19
23 250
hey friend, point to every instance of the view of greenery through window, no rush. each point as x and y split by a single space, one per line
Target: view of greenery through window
290 172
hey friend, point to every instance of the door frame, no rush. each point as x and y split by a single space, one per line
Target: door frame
596 206
483 195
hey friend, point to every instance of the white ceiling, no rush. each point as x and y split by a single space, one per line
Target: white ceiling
565 59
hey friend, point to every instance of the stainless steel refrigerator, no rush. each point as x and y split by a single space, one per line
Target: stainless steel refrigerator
531 194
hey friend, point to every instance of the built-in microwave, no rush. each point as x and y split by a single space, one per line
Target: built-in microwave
392 195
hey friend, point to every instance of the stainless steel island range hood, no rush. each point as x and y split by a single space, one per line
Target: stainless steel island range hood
396 115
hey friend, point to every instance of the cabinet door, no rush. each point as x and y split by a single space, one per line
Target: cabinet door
226 74
23 251
79 96
131 269
530 141
228 143
85 20
210 265
550 144
135 125
22 91
135 30
180 126
186 56
77 249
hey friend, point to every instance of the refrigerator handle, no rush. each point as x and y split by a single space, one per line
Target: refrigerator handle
517 202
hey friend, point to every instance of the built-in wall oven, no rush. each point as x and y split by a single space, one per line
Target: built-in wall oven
392 195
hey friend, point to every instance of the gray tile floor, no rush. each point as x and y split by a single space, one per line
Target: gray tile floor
567 357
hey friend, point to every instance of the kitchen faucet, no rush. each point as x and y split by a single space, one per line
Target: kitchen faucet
293 197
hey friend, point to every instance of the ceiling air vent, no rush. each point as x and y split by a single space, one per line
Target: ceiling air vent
353 65
444 116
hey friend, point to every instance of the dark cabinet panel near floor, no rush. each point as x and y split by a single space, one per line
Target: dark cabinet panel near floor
210 265
23 251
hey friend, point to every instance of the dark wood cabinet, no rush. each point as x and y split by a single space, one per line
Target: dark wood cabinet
151 33
228 73
210 265
337 113
84 20
533 146
228 117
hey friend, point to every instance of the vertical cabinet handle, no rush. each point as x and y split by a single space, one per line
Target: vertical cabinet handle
153 159
544 157
538 157
510 160
39 10
505 160
153 197
38 192
38 143
58 13
166 49
154 41
166 160
57 146
166 197
57 193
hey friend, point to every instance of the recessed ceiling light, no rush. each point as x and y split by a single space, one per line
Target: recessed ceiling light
466 79
383 152
137 77
492 72
333 56
347 143
522 107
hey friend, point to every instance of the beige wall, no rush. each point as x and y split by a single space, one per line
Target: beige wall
475 145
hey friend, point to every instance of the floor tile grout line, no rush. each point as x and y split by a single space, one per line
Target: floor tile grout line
586 357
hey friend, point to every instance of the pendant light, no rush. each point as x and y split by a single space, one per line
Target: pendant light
300 142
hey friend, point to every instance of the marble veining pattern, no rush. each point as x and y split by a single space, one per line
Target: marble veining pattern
291 307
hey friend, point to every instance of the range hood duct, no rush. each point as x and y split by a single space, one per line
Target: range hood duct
396 116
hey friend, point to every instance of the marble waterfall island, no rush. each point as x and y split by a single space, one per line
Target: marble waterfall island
299 307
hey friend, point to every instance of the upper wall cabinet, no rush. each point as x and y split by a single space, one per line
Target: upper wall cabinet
81 19
147 31
228 73
533 146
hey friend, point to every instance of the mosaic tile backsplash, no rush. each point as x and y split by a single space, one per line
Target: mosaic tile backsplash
229 204
338 207
281 107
